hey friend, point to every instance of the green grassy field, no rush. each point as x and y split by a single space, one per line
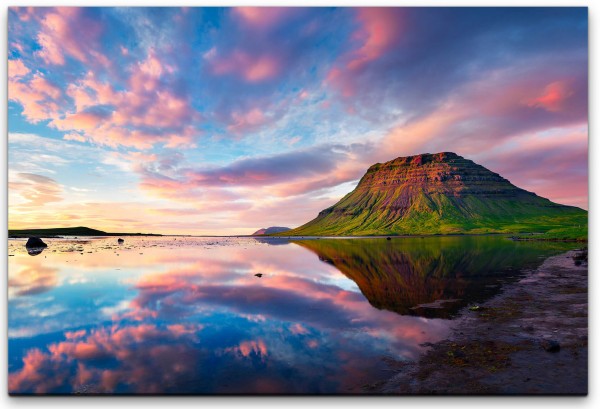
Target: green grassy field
575 233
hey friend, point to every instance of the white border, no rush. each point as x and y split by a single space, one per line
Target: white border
276 402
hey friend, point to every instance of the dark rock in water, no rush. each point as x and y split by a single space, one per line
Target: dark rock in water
120 241
35 242
35 246
259 275
34 251
388 238
550 345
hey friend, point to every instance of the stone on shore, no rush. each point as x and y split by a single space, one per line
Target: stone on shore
35 242
550 345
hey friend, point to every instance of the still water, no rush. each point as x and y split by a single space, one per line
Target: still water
189 315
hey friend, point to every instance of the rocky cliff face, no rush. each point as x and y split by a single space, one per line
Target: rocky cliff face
444 172
436 193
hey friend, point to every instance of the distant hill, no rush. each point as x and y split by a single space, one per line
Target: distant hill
441 193
68 231
270 230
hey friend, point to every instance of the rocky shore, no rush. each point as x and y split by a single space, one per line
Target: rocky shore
530 339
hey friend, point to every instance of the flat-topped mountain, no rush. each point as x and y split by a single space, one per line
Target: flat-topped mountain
440 193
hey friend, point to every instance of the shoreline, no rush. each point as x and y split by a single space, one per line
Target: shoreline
532 338
293 238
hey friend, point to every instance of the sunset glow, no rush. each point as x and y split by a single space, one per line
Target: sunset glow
226 120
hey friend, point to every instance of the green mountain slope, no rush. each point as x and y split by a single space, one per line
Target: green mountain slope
439 194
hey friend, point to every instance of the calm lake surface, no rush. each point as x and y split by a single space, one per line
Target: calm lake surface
189 315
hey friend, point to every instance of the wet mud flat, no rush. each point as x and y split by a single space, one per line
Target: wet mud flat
530 339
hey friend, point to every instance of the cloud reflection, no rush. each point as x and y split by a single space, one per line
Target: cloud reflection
208 325
205 324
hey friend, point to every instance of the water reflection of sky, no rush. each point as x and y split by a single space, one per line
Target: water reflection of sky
190 316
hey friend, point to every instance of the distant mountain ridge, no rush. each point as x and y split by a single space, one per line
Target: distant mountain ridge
68 231
440 193
270 230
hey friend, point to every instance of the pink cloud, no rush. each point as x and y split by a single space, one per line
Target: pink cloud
145 76
80 121
42 85
75 334
74 137
250 120
552 166
251 68
379 30
484 113
206 201
67 31
179 329
24 13
51 53
146 112
553 97
82 96
140 117
102 91
31 278
34 190
34 373
152 66
16 69
247 348
39 97
263 18
262 68
298 329
72 362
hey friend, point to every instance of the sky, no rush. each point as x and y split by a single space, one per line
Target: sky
226 120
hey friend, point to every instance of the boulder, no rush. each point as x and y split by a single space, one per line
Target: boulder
34 251
35 242
550 345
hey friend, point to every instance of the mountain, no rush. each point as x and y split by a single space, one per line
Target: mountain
440 193
270 230
68 231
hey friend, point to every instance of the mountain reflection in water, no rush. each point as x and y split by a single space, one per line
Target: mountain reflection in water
188 315
432 277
